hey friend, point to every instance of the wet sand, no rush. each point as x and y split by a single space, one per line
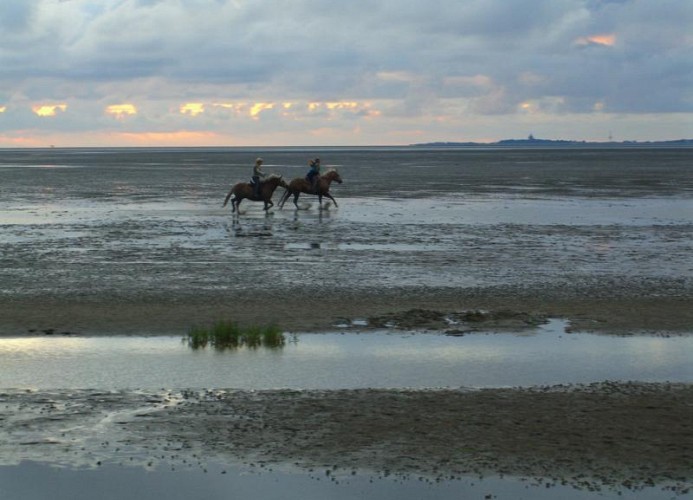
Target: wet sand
608 435
577 240
653 308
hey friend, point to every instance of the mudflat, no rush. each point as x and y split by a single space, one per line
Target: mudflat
451 241
632 309
603 435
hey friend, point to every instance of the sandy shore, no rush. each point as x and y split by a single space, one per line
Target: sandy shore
608 435
601 308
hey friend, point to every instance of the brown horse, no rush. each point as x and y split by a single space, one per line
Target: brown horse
302 185
243 190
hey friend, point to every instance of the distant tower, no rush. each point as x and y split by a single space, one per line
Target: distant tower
611 137
531 137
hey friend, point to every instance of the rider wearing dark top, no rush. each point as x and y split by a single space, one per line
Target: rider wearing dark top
257 173
313 174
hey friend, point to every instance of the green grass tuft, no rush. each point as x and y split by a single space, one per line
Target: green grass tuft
228 335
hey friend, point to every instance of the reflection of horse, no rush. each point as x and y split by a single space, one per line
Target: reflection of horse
243 190
301 185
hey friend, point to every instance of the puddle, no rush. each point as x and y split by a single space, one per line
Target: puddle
347 360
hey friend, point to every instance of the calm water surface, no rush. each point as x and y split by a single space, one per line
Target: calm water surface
346 360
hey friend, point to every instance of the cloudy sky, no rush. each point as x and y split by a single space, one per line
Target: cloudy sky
342 72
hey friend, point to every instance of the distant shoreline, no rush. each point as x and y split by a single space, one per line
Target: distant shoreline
542 143
530 143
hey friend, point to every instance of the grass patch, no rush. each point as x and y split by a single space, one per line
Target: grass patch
229 335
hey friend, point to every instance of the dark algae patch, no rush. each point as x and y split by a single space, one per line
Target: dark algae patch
471 320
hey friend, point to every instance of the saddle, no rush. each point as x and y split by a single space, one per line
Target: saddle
256 189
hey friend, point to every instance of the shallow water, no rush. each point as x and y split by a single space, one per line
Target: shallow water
133 223
30 481
544 356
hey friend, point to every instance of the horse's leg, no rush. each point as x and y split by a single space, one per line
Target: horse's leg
320 200
268 204
284 197
296 195
330 197
238 201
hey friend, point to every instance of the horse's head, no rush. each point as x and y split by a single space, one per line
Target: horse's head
276 180
333 175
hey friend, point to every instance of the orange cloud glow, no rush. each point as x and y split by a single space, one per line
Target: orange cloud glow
606 40
181 138
233 106
48 109
121 110
23 142
192 108
341 105
259 107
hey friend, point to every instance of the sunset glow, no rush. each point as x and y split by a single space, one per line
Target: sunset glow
121 110
341 105
48 109
606 40
259 107
183 138
192 108
237 107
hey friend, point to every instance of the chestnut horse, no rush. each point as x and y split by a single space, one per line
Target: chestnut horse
302 185
243 190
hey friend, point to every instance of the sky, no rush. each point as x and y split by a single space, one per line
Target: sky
100 73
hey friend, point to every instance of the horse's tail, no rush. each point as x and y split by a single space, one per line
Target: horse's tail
229 197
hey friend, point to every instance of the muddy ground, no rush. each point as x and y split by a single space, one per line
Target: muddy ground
476 241
310 309
608 435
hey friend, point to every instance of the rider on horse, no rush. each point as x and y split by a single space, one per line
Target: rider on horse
257 173
313 174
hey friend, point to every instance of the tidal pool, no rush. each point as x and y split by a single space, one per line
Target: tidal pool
347 360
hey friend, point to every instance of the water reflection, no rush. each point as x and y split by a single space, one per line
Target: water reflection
223 481
253 227
344 361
